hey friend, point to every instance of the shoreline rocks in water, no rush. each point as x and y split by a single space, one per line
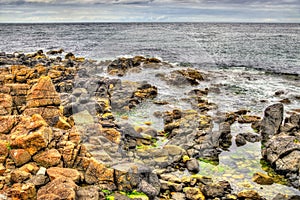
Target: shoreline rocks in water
60 139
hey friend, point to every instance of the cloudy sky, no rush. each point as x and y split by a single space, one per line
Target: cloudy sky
149 11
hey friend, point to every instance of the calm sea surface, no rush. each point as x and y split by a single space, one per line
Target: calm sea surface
270 47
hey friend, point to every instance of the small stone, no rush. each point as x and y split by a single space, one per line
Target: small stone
193 165
88 193
262 179
249 194
23 191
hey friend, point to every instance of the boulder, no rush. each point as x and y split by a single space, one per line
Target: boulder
43 93
20 156
271 122
48 158
97 173
59 188
57 172
219 189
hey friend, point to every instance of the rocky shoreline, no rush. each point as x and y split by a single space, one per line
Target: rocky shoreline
60 137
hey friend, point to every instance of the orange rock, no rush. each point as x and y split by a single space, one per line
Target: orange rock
3 150
43 93
57 172
60 188
20 156
48 158
112 134
23 191
7 123
5 104
98 173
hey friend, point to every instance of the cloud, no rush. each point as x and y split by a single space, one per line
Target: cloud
149 10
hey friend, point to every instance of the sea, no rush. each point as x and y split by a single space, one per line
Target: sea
267 47
244 64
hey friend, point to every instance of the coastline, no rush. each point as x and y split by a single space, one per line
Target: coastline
59 127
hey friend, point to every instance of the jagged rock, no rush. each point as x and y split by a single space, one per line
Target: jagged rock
20 156
43 93
283 151
249 194
183 77
167 185
193 193
59 188
262 179
22 191
6 104
97 173
7 123
23 173
130 176
248 119
57 172
271 121
48 158
39 137
286 197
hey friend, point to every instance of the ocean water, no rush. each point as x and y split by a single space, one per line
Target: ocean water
269 47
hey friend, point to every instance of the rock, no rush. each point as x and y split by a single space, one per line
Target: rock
97 173
57 172
167 185
31 134
193 193
6 104
70 56
23 191
148 189
43 93
286 197
178 196
219 189
248 119
23 173
48 158
59 188
240 140
7 123
249 194
4 147
88 193
38 180
130 176
193 165
53 52
271 121
283 151
262 179
20 156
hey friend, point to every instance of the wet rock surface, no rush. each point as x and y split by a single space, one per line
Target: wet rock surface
61 136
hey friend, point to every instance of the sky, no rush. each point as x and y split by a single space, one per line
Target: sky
34 11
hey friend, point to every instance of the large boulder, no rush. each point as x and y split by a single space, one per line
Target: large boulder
43 93
270 124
